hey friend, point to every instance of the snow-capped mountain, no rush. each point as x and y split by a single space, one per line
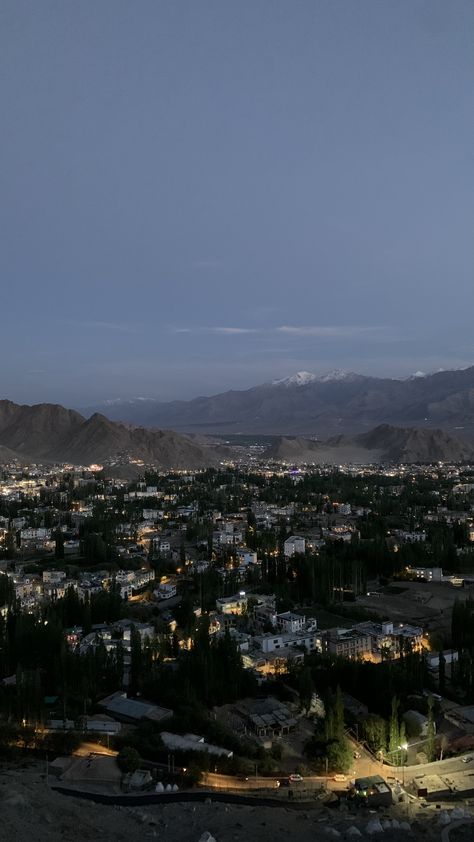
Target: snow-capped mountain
337 374
316 405
304 378
301 378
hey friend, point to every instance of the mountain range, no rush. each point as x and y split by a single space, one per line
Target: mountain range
306 404
382 444
51 433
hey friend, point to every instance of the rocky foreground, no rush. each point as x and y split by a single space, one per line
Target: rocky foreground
29 809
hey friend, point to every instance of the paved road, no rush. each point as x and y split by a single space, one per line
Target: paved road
365 766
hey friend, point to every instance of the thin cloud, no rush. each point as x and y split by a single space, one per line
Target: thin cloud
330 331
224 330
98 325
321 331
233 330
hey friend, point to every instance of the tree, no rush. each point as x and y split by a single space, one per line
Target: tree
374 731
329 742
136 660
443 745
59 545
394 729
442 671
431 732
305 687
128 759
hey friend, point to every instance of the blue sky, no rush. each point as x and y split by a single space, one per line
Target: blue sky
204 195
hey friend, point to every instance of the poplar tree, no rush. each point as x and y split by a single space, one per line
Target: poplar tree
431 732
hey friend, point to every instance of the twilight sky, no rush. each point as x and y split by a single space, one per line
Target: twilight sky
204 194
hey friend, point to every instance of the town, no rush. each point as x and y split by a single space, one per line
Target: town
249 627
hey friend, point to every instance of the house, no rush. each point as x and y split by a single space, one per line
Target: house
373 791
451 656
132 711
104 725
192 742
53 577
246 556
410 537
429 574
232 604
274 642
289 622
417 723
347 643
164 547
165 590
390 639
294 544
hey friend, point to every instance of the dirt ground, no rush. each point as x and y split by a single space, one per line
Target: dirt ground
29 809
420 603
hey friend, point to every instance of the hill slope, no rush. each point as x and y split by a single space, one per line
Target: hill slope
382 444
52 433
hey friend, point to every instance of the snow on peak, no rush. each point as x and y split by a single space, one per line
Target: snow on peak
336 374
301 378
418 374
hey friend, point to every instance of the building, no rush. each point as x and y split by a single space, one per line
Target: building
389 639
232 604
192 742
309 641
246 556
165 590
132 711
348 643
417 723
451 656
429 574
373 791
294 544
289 622
410 537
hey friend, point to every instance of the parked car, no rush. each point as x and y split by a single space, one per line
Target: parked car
467 759
293 779
340 778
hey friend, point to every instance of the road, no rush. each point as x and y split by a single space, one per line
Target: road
215 780
87 748
363 767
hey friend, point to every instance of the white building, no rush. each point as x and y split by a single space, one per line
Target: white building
431 574
451 656
290 623
294 544
165 590
246 556
276 642
51 577
236 604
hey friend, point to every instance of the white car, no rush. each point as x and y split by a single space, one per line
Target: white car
467 759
